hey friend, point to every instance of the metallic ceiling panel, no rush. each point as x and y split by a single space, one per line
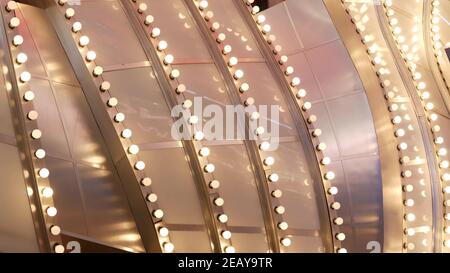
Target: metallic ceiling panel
238 35
297 186
324 122
54 143
233 168
51 54
333 84
303 68
149 118
333 69
17 233
81 130
351 117
68 197
73 137
143 103
251 146
6 123
34 64
311 22
280 20
366 200
213 90
190 241
235 172
267 93
107 213
108 27
210 87
171 14
414 7
174 184
308 244
249 242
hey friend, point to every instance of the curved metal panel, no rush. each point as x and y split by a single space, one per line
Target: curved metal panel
81 153
343 113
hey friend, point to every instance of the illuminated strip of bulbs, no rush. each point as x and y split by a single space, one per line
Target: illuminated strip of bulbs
441 151
203 151
244 87
118 119
42 174
397 108
436 41
300 94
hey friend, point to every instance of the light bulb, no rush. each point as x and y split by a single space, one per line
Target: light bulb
17 40
230 249
28 96
286 242
133 149
44 173
162 45
21 58
163 231
168 247
329 175
140 165
168 59
47 192
204 151
91 56
209 168
84 41
226 234
51 211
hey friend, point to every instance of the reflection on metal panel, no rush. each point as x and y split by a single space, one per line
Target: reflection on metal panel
211 87
143 103
343 113
179 30
17 232
81 164
142 100
266 91
106 21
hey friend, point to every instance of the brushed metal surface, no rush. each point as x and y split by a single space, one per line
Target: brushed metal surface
80 142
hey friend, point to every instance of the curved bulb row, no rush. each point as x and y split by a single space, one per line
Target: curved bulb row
203 152
438 47
436 37
300 94
439 143
42 174
244 87
119 119
400 118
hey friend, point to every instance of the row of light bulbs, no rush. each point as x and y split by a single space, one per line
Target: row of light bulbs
436 38
306 106
400 118
198 136
439 54
244 87
119 119
42 174
425 97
